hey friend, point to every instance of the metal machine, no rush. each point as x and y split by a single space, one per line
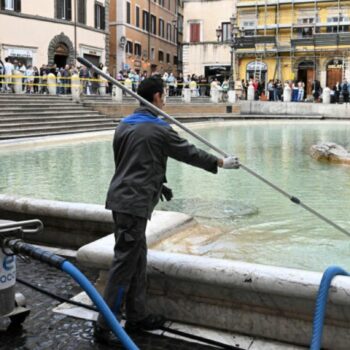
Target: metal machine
13 310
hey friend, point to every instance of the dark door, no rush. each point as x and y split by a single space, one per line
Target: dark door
60 60
310 74
334 76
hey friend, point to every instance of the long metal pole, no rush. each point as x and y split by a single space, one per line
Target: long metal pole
158 111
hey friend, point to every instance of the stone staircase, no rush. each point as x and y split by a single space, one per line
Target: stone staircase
41 115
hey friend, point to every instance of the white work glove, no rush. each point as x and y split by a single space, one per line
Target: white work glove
230 162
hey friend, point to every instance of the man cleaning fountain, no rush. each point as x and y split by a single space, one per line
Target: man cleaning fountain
142 144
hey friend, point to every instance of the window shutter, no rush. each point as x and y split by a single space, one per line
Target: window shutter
81 11
96 15
102 20
18 5
2 4
194 32
68 10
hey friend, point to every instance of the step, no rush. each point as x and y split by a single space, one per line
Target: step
35 96
35 128
6 136
44 118
67 122
37 103
29 108
47 113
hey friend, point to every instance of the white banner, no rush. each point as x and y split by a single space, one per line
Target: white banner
7 271
19 53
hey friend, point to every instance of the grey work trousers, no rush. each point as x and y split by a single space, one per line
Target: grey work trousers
127 276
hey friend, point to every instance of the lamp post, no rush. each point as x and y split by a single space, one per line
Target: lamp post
235 34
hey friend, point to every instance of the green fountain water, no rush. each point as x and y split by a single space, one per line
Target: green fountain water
258 224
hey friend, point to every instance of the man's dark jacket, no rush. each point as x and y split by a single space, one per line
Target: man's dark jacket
142 144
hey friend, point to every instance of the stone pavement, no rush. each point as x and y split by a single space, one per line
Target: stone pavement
45 330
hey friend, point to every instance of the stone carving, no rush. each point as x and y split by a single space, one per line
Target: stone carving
331 152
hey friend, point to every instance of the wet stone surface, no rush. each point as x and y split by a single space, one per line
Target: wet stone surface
44 330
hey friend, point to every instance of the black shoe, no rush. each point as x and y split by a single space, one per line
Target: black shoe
104 335
149 323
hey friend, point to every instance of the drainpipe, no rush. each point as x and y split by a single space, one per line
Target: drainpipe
75 32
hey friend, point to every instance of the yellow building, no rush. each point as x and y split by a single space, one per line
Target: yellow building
294 40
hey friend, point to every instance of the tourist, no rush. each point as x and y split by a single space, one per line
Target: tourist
142 144
9 69
337 91
301 86
345 91
271 90
180 83
295 91
317 90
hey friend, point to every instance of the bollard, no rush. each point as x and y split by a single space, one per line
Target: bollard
326 95
231 96
51 82
287 93
186 95
18 82
75 87
251 92
117 94
214 95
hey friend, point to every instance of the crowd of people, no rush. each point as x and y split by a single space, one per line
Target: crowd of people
35 81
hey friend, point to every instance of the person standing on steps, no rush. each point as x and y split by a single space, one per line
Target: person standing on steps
142 144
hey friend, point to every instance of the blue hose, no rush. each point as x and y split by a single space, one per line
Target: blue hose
111 320
321 303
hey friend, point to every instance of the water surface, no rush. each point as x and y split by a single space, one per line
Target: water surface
259 224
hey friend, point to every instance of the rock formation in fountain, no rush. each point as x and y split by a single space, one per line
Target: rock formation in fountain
331 152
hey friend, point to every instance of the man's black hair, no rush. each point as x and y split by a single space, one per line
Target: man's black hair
7 59
149 87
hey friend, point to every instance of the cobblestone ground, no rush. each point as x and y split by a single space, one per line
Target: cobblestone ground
44 330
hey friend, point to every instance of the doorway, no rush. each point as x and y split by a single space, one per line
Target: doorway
306 74
61 55
334 73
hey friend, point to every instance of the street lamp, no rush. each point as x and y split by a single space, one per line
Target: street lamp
235 34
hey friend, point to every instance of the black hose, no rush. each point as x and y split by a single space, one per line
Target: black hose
89 307
55 296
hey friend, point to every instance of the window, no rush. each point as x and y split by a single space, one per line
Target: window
338 26
168 58
128 47
175 35
152 54
226 31
161 2
137 17
160 56
153 24
11 5
100 17
161 28
195 32
145 20
128 12
82 11
175 60
168 31
249 22
137 49
180 21
64 9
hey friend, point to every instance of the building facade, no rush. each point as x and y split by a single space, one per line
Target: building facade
143 35
54 31
302 40
204 54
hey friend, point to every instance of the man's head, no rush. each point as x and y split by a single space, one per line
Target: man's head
152 90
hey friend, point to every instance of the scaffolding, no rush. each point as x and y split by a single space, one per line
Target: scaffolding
305 31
